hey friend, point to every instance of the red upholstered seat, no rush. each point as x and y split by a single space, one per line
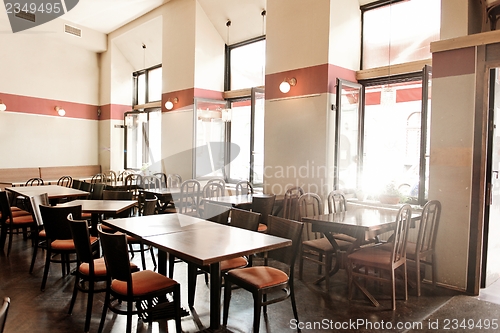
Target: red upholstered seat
239 262
143 283
260 276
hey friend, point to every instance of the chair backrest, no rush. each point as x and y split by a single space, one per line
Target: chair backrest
132 181
76 184
290 203
174 180
264 205
123 174
98 178
97 190
111 177
116 257
149 206
218 181
66 181
36 201
81 239
429 223
118 195
5 206
151 182
401 233
309 204
190 196
213 190
285 228
87 187
245 219
34 182
336 202
163 178
55 220
216 213
244 187
3 313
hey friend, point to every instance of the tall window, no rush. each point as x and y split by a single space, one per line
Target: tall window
147 85
245 64
395 31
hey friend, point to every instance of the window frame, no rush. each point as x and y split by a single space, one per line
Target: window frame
135 76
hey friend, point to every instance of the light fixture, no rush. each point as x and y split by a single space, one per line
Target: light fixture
3 107
60 111
286 84
169 104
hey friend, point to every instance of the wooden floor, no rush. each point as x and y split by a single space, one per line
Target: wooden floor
35 311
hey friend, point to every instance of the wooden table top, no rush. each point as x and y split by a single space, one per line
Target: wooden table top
209 245
53 191
102 206
233 200
151 225
163 190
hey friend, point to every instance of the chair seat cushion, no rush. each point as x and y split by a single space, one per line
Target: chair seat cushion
107 229
324 245
17 212
373 255
100 267
143 283
239 262
63 244
262 227
86 216
42 234
259 276
23 219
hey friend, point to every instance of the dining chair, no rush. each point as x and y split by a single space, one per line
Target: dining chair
262 280
91 268
147 289
58 235
216 213
245 219
290 203
85 186
264 205
189 199
336 204
151 182
133 182
424 249
4 309
76 184
98 178
22 201
210 190
244 187
174 180
34 182
218 181
111 177
163 178
13 221
66 181
380 260
38 235
315 247
97 190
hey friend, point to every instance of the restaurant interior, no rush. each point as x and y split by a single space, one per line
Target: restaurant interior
365 99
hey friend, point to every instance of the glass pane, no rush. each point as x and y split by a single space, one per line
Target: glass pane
210 134
155 141
392 131
154 85
240 136
141 89
248 65
348 127
402 32
258 139
134 141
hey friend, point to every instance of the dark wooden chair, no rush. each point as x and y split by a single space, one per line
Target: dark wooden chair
38 235
147 289
189 199
11 221
244 187
76 184
216 213
66 181
174 180
264 205
163 178
98 178
290 203
261 281
58 235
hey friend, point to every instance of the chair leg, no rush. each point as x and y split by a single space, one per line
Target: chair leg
171 263
90 300
434 272
301 265
143 258
406 281
292 298
328 268
75 292
192 274
227 299
257 296
10 240
104 311
46 268
177 304
129 316
320 267
153 258
393 285
417 265
33 257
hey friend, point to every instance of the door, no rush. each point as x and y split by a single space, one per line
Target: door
490 268
348 135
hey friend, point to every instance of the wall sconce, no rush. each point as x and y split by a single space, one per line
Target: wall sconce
60 111
3 107
169 104
286 84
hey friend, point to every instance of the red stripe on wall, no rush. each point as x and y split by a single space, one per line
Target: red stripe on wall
44 106
114 111
408 95
310 80
454 62
186 97
373 98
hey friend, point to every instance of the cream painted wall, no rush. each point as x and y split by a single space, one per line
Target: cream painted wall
345 34
122 83
179 28
209 57
450 172
297 34
35 141
177 142
460 18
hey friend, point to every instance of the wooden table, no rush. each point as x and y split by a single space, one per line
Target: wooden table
53 191
232 200
97 207
198 242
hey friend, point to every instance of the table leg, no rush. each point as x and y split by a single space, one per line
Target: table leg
215 286
162 262
94 220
